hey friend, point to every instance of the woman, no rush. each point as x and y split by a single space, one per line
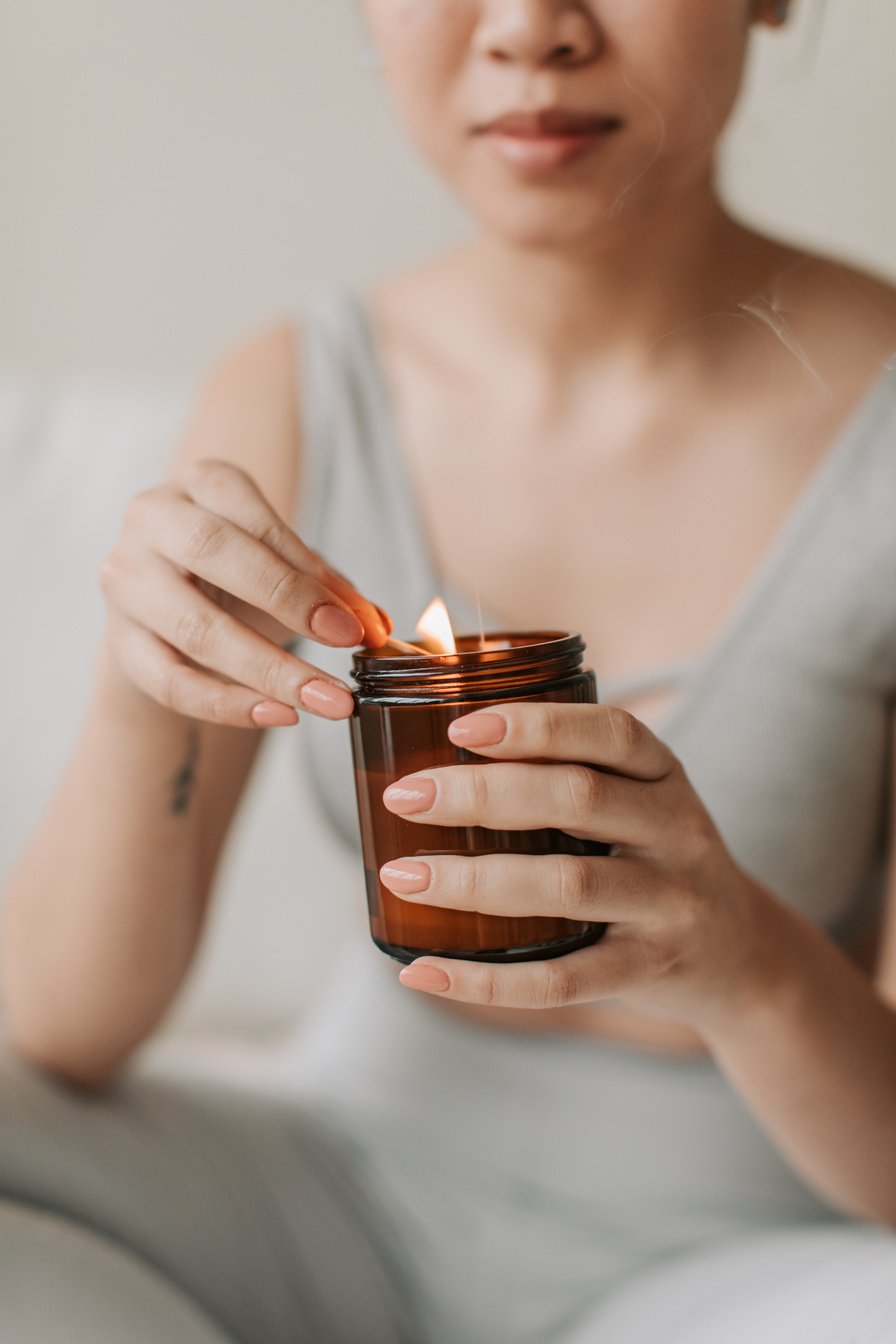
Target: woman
622 412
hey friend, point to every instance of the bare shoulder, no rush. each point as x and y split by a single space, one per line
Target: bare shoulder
405 296
404 304
863 298
247 412
847 314
871 292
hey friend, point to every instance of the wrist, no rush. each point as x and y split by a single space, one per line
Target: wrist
765 970
775 972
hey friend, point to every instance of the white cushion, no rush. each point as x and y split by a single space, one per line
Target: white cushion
809 1285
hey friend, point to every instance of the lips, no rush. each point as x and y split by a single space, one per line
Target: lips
537 144
553 123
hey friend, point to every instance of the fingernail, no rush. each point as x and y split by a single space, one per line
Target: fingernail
378 630
336 625
331 701
431 978
479 730
270 714
417 795
407 877
387 620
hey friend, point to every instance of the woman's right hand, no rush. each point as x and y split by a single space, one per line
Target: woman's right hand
204 588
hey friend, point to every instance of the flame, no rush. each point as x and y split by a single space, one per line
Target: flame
435 627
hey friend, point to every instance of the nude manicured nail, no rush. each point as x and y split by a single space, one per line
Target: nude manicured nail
406 877
386 620
480 730
335 625
417 795
431 978
323 698
270 714
378 630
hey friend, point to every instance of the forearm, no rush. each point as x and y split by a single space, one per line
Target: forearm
814 1057
102 916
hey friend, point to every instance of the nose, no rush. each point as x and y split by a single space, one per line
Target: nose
556 33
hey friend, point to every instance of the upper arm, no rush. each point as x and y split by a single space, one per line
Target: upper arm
246 413
886 964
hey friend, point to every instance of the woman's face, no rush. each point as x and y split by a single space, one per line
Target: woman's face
550 118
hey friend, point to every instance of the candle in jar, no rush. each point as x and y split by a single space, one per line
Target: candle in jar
404 705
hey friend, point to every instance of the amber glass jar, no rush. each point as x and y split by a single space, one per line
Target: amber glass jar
403 707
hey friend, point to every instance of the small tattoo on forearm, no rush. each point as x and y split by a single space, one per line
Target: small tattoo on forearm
185 780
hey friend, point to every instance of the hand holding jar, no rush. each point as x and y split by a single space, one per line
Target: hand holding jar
685 922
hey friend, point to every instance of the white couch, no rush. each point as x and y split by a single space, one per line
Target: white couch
71 455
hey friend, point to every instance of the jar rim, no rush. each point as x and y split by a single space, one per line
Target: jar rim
548 642
522 652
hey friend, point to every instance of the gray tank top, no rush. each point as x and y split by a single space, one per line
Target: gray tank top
783 724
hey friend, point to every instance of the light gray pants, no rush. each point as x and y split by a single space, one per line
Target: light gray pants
429 1182
245 1207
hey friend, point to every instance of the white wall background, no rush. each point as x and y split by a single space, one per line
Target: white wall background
175 172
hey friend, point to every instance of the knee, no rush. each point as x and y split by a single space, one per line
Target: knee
25 1083
63 1284
44 1123
15 1064
18 1077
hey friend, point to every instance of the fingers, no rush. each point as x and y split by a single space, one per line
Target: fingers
599 735
619 962
565 886
518 797
215 524
206 588
216 550
228 492
163 675
198 629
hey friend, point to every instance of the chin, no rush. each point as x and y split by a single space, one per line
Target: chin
555 215
561 226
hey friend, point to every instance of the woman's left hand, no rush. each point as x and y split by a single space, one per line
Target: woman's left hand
687 926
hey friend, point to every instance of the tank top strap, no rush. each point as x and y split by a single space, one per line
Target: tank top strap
345 425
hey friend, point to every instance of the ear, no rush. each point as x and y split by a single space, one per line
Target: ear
772 13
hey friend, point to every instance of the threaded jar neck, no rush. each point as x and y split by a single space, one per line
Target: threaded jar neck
509 661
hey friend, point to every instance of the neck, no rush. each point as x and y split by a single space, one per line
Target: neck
627 291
